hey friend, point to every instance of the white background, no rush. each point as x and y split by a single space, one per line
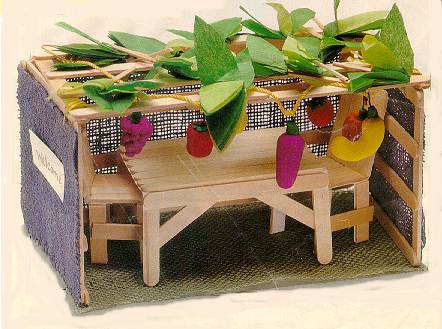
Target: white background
32 293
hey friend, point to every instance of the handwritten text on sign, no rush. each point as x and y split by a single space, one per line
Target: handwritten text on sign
48 164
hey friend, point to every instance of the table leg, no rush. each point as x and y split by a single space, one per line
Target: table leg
151 246
98 213
139 214
323 233
361 200
277 221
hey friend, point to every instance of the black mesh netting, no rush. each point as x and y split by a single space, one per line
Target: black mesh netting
104 134
397 158
401 162
392 204
402 109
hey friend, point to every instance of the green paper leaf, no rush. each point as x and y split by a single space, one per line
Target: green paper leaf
103 46
184 34
70 28
217 95
262 31
371 20
86 50
136 42
228 27
302 53
93 87
179 67
301 65
223 123
264 71
190 54
213 57
115 97
360 81
394 36
180 43
378 55
265 56
329 54
162 76
245 66
380 75
131 87
330 42
331 47
335 8
301 16
284 18
305 46
245 71
360 84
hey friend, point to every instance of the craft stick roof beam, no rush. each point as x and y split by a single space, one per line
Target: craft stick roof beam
40 68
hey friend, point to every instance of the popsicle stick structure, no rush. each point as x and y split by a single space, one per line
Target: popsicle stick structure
103 192
165 177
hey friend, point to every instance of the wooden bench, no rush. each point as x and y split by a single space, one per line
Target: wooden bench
105 192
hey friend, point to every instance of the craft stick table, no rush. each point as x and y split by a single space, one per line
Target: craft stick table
169 178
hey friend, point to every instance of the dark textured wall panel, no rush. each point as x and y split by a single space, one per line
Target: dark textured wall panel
49 221
401 162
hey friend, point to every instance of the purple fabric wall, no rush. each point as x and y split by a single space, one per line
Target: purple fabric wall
50 222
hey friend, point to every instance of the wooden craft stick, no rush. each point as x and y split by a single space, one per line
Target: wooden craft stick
318 22
162 52
354 66
314 33
46 56
112 69
134 53
334 72
123 74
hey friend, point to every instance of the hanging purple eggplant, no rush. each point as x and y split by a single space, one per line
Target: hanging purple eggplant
289 152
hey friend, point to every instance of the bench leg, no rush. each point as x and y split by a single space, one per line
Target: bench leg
139 214
277 221
98 247
151 247
323 233
361 200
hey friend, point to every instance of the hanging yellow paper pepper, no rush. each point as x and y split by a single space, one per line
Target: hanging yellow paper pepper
373 131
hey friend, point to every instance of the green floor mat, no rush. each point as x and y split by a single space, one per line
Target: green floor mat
229 250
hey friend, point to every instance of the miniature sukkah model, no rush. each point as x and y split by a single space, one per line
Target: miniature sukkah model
144 116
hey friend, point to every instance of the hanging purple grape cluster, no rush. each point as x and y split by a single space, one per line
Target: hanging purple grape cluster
136 131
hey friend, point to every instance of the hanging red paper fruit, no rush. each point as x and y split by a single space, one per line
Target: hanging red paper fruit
199 143
352 127
320 111
289 152
136 131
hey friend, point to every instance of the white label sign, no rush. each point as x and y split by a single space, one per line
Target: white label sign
48 164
